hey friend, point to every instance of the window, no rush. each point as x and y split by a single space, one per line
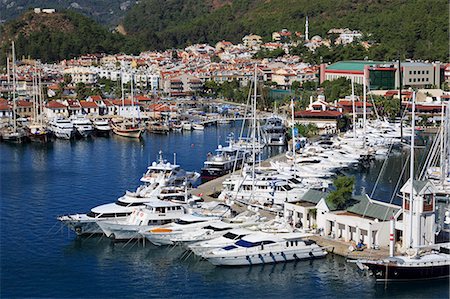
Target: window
415 72
428 72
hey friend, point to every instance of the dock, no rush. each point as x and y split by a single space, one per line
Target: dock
342 248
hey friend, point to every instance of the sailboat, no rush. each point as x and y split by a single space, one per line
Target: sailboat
14 134
127 128
419 264
37 130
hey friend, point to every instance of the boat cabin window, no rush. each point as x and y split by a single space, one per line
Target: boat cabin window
294 181
217 229
287 188
230 236
107 215
160 210
184 222
128 204
248 244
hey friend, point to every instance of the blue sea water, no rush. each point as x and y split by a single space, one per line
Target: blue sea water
39 258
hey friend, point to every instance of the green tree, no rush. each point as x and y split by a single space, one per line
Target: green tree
342 194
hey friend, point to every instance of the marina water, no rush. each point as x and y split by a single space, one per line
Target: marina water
38 258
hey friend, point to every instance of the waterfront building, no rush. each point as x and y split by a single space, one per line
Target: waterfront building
383 75
5 109
24 108
127 108
363 219
90 108
55 109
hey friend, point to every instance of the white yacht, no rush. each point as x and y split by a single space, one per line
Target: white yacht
164 235
223 161
186 125
265 248
101 127
154 213
83 126
86 224
168 174
62 128
274 131
198 126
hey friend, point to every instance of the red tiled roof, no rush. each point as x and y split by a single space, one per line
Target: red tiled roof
126 102
318 114
4 106
108 103
142 98
159 107
55 105
96 98
86 104
22 103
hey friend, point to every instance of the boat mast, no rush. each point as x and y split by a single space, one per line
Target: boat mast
9 77
35 94
293 131
254 132
132 97
353 107
400 99
364 107
442 158
40 99
14 85
413 243
122 86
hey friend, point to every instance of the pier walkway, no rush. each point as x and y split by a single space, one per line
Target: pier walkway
342 248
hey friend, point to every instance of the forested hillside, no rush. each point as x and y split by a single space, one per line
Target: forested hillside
52 37
412 28
415 29
108 12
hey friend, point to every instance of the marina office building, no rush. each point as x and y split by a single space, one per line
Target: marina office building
364 218
383 75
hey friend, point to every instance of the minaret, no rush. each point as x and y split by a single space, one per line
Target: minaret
307 29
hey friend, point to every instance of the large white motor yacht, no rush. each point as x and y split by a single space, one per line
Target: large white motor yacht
83 126
168 174
154 213
265 248
62 128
